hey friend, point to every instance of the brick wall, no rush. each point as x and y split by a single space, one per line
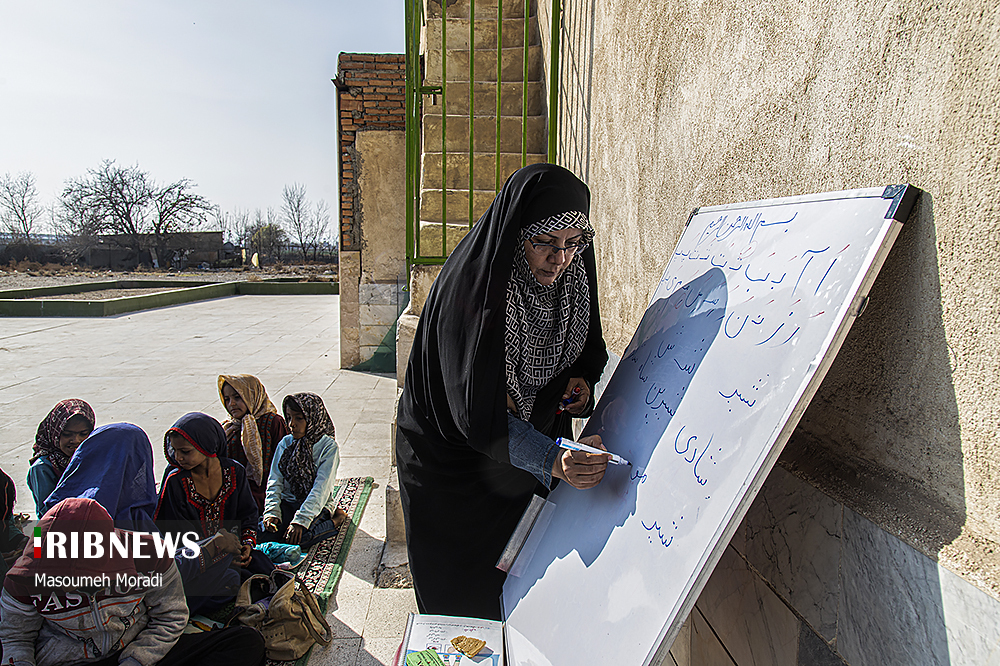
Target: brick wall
371 89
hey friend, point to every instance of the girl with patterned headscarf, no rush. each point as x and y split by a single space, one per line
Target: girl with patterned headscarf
66 426
253 429
300 506
507 352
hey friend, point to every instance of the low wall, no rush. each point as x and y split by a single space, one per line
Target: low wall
18 303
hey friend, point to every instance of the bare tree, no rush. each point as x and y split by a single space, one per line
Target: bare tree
176 208
19 206
319 225
295 215
241 227
73 216
269 239
265 235
127 202
222 221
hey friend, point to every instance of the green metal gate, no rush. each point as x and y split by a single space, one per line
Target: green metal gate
419 26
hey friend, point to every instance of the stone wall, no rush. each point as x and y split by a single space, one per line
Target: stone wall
372 142
665 106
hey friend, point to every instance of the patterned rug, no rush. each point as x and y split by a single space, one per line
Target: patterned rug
324 563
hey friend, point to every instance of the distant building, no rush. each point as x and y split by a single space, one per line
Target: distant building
117 251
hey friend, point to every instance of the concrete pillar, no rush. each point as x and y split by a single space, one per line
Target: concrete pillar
350 326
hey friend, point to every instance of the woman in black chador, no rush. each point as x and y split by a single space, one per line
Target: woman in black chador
508 350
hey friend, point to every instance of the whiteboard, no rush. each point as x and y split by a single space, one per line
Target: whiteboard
746 320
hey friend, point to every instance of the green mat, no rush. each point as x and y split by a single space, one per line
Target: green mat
324 563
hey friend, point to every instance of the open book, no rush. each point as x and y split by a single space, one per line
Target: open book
434 632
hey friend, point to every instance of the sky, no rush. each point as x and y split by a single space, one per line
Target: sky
233 95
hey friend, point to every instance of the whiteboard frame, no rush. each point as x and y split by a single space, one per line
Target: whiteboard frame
883 220
903 198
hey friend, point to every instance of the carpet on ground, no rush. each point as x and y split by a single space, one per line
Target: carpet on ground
324 563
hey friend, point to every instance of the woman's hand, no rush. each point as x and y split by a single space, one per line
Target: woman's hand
578 402
244 558
271 524
580 469
511 405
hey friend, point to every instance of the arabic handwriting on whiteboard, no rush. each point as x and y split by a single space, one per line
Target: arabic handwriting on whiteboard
736 394
742 229
747 397
691 455
660 535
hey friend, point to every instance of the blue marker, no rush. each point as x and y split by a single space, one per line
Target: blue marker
572 396
569 444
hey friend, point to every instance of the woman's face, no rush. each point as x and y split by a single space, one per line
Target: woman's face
296 423
547 263
233 402
185 454
77 429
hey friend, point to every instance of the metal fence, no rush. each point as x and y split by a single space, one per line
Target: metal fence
36 239
417 28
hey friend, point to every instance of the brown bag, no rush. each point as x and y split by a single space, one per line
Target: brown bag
284 611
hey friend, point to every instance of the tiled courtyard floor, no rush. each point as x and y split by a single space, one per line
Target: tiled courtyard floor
151 367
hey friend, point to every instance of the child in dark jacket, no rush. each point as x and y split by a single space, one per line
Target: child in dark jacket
60 611
203 491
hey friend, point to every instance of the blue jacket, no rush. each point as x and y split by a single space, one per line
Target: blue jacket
42 480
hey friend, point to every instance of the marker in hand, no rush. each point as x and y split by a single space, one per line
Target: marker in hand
569 444
566 402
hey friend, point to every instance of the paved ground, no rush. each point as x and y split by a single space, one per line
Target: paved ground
151 367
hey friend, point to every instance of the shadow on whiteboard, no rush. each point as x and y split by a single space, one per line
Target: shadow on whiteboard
640 399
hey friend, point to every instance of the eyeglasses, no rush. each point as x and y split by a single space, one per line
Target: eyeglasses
550 248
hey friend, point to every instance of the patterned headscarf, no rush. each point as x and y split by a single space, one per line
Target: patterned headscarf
201 430
47 436
253 394
297 464
546 325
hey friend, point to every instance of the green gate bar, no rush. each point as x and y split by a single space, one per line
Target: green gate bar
415 22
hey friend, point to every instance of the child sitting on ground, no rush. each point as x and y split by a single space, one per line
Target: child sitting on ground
114 466
76 610
66 426
203 491
253 429
300 507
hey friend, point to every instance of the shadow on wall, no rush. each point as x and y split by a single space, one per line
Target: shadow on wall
882 434
882 437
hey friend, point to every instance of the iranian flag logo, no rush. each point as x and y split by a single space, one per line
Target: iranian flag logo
38 543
